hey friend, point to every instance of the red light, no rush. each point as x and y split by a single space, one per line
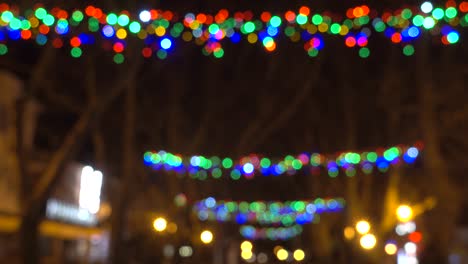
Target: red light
396 38
118 47
350 42
265 16
415 237
75 42
290 16
147 52
57 43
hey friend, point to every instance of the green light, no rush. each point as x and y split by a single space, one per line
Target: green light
123 20
406 13
372 156
217 173
408 50
219 53
317 19
119 58
77 16
364 52
249 27
235 175
76 52
428 23
301 19
93 24
363 20
213 28
111 19
335 28
266 41
350 172
134 27
162 54
466 18
48 20
453 37
297 164
299 206
25 25
418 20
7 16
333 173
3 49
15 24
227 163
438 13
202 175
265 163
313 52
179 27
380 26
451 12
275 21
289 31
40 13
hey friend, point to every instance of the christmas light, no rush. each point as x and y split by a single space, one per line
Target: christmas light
200 167
270 233
211 30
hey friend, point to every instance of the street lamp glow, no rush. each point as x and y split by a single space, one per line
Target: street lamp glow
362 227
246 254
299 255
160 224
246 246
282 254
368 241
206 237
349 233
391 249
404 213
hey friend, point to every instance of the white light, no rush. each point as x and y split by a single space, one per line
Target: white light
90 189
410 227
410 248
185 251
405 228
145 16
426 7
168 251
262 258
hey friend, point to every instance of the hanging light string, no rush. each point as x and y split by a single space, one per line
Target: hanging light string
161 31
270 233
266 213
200 167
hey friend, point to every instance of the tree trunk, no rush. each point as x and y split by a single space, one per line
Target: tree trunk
119 208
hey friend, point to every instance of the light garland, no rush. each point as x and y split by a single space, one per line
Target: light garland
161 30
266 213
270 233
200 167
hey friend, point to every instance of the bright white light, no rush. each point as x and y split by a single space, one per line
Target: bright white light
410 248
90 189
145 16
426 7
406 228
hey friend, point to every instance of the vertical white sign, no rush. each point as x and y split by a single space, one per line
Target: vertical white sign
90 189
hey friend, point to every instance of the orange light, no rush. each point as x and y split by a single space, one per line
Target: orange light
26 34
271 47
349 13
75 42
89 10
304 10
201 18
350 42
396 37
290 16
464 7
265 16
358 12
44 30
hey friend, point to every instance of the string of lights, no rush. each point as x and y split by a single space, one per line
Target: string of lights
200 167
266 213
161 31
270 233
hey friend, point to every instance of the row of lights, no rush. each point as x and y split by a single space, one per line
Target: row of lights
160 224
284 255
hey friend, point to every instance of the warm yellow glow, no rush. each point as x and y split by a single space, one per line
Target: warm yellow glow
246 246
276 249
349 233
362 227
282 254
404 213
391 249
368 241
172 228
299 255
160 224
206 237
246 254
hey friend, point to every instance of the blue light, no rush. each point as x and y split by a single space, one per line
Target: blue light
203 215
210 202
248 168
41 39
413 32
413 152
14 34
272 31
166 43
241 218
236 37
108 31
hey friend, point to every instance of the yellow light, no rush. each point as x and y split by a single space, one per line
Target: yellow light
160 31
349 233
252 38
206 237
391 249
246 255
160 224
282 254
368 241
246 246
362 227
404 213
121 33
299 255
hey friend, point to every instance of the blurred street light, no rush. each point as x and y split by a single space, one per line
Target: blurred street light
246 246
368 241
404 213
160 224
391 249
206 237
299 255
349 233
282 254
362 227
